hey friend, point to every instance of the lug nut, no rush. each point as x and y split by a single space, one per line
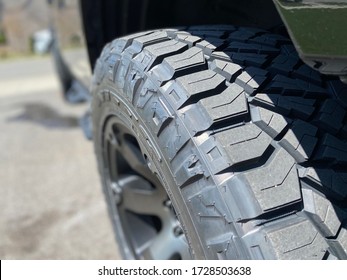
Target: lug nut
117 190
168 203
178 231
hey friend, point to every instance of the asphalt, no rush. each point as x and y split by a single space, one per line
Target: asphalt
51 201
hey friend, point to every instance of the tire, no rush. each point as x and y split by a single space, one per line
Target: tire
217 142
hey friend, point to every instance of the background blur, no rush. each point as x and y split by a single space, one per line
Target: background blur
51 201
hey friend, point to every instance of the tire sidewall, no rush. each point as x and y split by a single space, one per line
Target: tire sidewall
109 103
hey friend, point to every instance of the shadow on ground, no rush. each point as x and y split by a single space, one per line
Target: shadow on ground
44 115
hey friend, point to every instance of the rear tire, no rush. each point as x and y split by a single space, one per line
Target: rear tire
247 143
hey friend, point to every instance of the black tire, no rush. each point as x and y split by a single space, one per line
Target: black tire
246 140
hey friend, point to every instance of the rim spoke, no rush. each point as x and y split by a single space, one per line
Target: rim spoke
134 158
113 167
166 246
161 247
139 197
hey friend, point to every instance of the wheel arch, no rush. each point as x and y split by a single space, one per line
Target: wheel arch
105 20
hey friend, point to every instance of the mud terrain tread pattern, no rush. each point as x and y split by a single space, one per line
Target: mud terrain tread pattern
333 181
310 246
270 122
268 135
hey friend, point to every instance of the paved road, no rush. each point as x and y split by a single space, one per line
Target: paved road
50 196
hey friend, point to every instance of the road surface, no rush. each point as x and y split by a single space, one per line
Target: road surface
50 196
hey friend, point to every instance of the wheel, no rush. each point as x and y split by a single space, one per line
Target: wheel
217 142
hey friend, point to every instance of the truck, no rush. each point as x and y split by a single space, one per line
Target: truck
219 126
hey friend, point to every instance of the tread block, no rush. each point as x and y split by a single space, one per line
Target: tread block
194 86
289 50
209 46
147 91
294 87
325 215
327 179
244 143
105 67
279 184
133 80
161 116
283 64
111 63
332 149
300 107
243 34
251 79
286 105
331 257
187 38
251 48
342 239
301 140
223 245
302 241
232 147
193 57
220 56
269 39
151 38
247 59
119 45
201 82
214 151
190 171
284 85
307 73
331 116
235 190
205 28
340 91
195 118
217 33
120 72
271 122
231 103
228 70
154 53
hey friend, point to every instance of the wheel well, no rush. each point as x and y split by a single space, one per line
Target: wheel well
108 19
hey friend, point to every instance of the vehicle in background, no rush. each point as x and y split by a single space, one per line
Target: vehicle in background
42 41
